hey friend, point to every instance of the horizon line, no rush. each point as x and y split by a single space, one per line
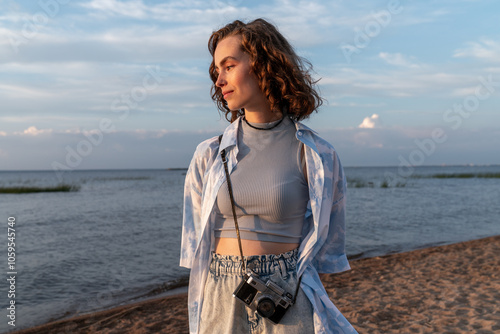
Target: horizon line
186 168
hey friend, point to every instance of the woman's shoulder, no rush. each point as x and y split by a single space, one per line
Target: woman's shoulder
207 148
319 142
204 156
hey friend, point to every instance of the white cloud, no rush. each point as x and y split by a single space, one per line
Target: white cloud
21 92
120 149
132 44
485 49
385 146
134 8
370 122
462 92
68 75
3 134
146 134
173 11
356 147
492 70
357 105
33 131
398 82
397 59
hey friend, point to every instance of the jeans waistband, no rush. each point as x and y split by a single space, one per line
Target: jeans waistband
260 264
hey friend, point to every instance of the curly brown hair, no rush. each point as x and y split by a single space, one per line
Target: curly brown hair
283 76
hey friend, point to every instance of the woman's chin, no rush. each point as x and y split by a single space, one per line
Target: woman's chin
234 108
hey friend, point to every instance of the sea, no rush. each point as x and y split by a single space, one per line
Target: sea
115 239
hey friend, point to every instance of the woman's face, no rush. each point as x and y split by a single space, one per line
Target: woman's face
239 85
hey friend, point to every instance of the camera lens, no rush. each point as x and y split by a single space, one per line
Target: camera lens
266 307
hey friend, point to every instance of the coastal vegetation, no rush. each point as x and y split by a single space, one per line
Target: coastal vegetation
360 183
466 176
27 190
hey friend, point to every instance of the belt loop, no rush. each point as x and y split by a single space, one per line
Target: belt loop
284 272
217 265
240 267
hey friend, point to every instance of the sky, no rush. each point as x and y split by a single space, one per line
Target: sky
114 84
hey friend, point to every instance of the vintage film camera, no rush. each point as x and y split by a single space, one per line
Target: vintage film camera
267 298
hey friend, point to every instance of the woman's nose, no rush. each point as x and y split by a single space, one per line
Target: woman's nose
221 82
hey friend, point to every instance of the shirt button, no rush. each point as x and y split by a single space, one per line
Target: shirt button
299 133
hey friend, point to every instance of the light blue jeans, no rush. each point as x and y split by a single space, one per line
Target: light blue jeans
224 314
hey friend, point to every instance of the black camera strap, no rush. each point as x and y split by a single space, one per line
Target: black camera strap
230 189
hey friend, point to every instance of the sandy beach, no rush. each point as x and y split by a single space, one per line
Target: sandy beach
445 289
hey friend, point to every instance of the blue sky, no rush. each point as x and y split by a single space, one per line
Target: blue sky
124 84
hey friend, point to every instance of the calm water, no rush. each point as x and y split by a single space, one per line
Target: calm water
117 239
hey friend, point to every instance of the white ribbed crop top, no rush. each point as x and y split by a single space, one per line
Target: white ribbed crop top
269 187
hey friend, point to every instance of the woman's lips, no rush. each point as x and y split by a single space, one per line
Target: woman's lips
226 94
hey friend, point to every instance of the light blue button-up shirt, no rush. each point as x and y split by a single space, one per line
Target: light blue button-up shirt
323 236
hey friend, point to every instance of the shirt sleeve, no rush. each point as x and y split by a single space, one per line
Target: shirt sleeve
193 190
331 257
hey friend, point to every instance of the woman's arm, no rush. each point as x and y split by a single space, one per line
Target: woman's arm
193 199
191 217
331 257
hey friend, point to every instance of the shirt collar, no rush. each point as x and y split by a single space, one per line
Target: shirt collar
230 138
301 127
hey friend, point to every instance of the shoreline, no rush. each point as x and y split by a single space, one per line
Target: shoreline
452 288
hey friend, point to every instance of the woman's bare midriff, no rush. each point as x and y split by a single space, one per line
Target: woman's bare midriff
229 246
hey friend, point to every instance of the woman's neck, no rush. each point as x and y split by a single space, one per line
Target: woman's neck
262 117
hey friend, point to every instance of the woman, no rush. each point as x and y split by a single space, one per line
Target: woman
288 189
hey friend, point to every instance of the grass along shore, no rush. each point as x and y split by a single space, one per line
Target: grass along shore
28 190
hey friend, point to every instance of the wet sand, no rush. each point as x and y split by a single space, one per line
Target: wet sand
445 289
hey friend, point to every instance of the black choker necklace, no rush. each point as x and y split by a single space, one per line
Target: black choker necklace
272 127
